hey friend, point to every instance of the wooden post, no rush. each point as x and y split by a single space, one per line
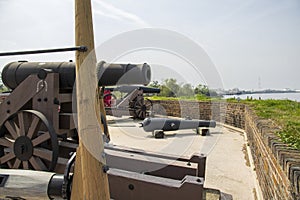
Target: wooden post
90 181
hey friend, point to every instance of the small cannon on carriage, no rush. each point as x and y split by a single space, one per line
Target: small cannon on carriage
132 103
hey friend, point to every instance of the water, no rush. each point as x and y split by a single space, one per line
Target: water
290 96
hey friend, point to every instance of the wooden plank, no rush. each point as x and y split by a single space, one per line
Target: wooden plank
162 167
50 110
18 98
90 182
77 185
65 97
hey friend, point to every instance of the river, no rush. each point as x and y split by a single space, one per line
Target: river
290 96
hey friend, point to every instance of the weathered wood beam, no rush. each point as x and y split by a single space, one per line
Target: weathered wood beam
90 181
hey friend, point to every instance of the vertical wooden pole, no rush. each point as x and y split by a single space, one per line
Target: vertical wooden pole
90 181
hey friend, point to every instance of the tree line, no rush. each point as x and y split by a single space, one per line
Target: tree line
170 88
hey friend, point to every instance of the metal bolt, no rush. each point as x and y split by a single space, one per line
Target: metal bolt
105 168
131 187
103 155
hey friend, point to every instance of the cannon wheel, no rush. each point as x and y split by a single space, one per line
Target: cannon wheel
28 141
142 107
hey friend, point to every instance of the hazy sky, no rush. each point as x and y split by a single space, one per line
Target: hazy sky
246 40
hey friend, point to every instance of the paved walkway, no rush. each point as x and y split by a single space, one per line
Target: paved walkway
228 165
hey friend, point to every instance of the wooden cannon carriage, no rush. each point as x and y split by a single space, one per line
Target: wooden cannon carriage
133 103
37 127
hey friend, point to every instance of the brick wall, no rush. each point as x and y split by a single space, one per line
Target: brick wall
277 165
229 113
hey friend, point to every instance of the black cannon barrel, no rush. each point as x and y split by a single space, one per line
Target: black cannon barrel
130 88
150 89
119 74
167 124
108 74
16 72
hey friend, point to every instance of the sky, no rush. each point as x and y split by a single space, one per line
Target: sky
253 44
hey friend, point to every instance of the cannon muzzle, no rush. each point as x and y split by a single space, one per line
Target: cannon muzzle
166 124
108 74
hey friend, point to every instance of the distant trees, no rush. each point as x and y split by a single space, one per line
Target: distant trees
186 90
170 88
204 90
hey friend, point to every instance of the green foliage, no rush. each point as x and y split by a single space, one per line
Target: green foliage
191 98
285 113
154 84
170 88
204 90
165 91
186 90
163 98
202 97
3 88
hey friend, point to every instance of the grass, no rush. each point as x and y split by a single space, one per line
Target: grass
191 98
285 113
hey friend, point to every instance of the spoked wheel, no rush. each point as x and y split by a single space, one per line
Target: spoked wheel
28 141
142 107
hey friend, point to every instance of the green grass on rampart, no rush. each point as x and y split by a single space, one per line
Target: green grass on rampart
285 113
198 97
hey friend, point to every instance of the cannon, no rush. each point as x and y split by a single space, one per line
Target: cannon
109 74
123 74
37 129
133 101
158 125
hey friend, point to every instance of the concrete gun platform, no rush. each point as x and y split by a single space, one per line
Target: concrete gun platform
228 164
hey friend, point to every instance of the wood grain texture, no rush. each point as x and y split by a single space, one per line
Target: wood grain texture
90 182
77 187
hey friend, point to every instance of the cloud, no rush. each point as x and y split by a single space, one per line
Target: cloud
113 12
